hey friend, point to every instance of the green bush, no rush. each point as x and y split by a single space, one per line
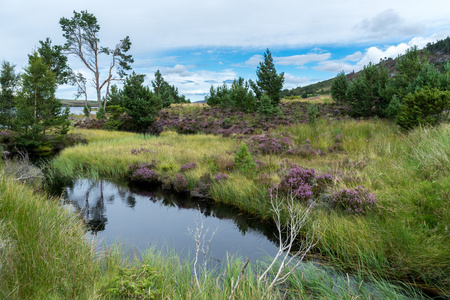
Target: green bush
339 88
313 113
243 160
428 106
367 94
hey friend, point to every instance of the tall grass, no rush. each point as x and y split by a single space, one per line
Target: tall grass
405 238
43 251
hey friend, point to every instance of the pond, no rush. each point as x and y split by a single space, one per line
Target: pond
139 219
78 110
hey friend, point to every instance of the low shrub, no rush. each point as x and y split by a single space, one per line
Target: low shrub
188 166
180 184
356 201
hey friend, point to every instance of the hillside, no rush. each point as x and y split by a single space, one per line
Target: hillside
438 55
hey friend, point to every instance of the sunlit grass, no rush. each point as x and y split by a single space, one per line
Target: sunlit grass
406 236
43 251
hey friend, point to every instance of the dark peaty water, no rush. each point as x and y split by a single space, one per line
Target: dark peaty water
138 220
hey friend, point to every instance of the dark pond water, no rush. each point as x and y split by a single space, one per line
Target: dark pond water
138 219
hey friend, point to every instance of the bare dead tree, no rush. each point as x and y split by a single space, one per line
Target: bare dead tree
82 40
292 249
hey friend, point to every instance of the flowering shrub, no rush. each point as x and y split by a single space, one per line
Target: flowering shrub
142 150
265 144
180 183
188 166
231 121
299 181
356 201
221 177
144 174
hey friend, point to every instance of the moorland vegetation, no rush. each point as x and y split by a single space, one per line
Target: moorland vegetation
371 164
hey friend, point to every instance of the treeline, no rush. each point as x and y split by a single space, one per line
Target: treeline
139 102
262 96
33 119
417 94
440 46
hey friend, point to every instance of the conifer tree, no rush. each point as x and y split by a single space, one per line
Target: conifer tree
268 81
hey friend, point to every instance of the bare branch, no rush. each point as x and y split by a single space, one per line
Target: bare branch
296 218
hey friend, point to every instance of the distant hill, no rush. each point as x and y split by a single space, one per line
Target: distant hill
438 55
78 103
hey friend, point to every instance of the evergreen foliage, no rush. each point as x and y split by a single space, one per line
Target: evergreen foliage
37 109
266 106
440 46
428 106
54 58
140 102
239 96
339 88
8 85
115 96
367 95
243 160
268 81
407 68
82 40
168 93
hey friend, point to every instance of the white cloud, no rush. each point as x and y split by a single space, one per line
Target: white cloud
254 60
294 60
291 81
372 55
195 84
300 60
353 57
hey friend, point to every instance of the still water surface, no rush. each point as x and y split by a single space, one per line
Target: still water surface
137 219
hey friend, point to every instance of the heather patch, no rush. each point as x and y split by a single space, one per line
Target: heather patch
266 144
188 166
143 172
230 121
356 201
180 184
221 177
142 150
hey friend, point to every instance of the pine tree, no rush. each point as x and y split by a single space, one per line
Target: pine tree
38 110
8 84
339 88
269 81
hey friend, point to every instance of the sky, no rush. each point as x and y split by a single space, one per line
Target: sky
199 43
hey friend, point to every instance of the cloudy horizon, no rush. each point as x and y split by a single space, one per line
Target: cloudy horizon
201 43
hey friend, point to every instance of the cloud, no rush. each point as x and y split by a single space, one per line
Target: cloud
193 83
294 60
254 60
291 81
372 55
353 57
388 24
300 60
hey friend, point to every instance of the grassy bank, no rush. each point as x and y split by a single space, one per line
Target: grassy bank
44 255
43 252
405 238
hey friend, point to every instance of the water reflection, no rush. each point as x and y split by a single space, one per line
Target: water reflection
140 218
